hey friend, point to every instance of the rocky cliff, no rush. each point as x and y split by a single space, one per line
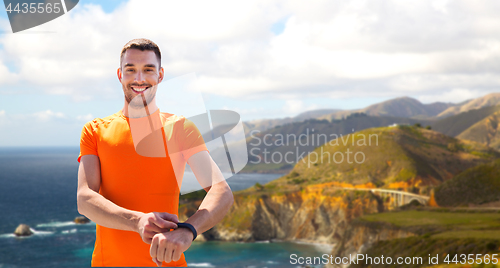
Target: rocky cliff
317 213
361 236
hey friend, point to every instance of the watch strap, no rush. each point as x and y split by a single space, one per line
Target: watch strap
188 226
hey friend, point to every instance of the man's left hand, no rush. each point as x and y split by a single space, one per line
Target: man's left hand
169 246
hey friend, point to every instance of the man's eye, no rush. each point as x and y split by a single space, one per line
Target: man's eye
129 70
149 70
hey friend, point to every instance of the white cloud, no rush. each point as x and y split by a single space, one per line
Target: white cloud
294 107
6 76
47 115
455 95
42 128
85 118
375 48
256 112
4 120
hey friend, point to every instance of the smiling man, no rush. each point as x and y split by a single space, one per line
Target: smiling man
133 196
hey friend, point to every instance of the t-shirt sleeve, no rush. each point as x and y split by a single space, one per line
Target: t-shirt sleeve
88 144
191 140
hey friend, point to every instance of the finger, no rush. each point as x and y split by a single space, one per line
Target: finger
173 253
162 223
148 237
154 227
154 248
147 240
161 254
158 263
169 217
169 252
177 255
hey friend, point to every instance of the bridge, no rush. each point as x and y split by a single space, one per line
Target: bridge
398 198
401 198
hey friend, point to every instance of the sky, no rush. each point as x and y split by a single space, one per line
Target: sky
262 59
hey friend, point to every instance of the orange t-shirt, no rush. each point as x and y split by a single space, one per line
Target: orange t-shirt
140 171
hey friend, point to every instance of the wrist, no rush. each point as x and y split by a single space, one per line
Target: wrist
136 218
186 233
189 227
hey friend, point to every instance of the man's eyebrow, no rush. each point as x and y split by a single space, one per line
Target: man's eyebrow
147 65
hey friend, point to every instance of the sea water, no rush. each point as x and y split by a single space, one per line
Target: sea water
38 188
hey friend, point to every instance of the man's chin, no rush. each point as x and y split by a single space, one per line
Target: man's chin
137 101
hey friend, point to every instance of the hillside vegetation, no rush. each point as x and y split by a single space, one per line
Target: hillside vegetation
400 107
265 124
456 124
300 138
485 131
476 185
437 233
394 157
492 99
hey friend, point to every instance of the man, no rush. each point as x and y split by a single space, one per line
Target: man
133 198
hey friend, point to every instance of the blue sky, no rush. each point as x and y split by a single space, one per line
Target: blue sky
263 59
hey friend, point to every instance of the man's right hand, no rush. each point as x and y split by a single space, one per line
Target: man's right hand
155 222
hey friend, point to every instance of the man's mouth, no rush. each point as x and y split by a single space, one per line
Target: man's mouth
139 89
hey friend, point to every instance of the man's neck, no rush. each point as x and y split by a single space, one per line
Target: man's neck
138 112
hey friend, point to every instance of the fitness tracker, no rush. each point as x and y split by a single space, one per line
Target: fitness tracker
188 226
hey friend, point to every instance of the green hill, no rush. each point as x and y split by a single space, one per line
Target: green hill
436 233
492 99
298 139
485 131
265 124
401 107
390 157
477 185
406 107
454 125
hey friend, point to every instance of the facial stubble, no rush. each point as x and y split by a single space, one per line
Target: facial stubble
140 100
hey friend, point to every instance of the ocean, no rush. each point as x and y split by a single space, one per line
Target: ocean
38 188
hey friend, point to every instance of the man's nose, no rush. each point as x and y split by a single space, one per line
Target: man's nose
139 77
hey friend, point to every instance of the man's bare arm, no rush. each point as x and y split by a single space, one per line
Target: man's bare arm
169 246
219 196
106 213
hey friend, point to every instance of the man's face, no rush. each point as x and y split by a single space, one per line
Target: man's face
139 75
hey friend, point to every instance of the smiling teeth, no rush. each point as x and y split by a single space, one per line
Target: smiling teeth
139 89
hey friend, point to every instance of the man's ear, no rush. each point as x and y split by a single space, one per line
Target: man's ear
161 73
119 74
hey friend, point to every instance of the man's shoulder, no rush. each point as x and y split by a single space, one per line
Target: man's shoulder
168 117
97 122
173 120
179 124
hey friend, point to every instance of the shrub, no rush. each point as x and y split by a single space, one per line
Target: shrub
491 246
452 147
259 186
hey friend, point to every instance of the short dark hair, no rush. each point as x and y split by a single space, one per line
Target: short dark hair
141 44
